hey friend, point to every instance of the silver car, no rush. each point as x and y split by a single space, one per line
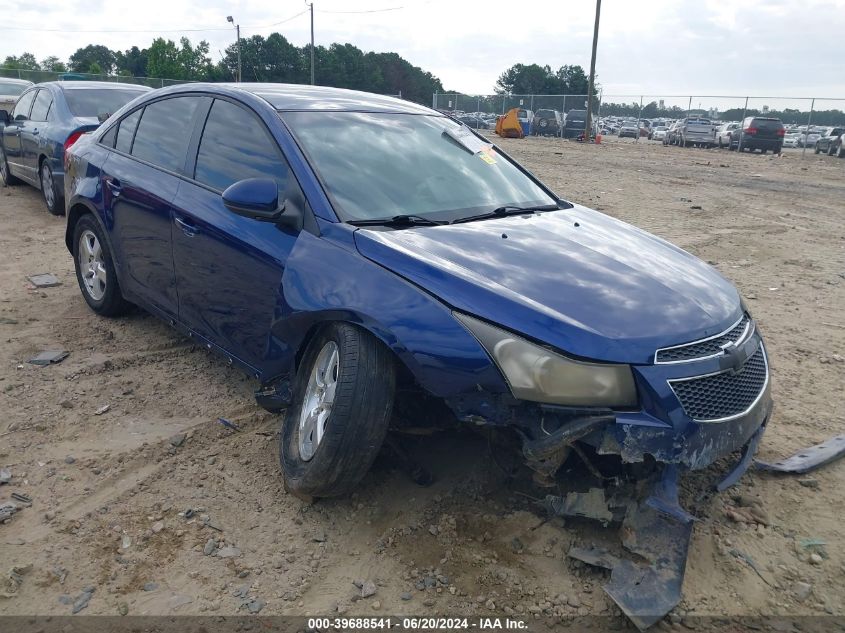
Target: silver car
10 90
724 135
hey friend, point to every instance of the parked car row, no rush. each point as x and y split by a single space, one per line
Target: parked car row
326 243
44 121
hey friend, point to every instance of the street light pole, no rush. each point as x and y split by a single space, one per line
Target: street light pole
230 19
311 6
588 125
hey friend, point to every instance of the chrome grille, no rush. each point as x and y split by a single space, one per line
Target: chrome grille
705 348
726 394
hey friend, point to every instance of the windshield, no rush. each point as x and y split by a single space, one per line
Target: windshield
12 89
91 102
376 166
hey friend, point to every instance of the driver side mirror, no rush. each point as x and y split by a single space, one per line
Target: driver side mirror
4 117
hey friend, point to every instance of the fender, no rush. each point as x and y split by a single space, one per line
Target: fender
443 357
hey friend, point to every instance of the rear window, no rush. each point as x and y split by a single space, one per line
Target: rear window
768 123
91 102
12 89
577 115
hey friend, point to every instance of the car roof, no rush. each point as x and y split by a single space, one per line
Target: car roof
298 97
24 82
89 85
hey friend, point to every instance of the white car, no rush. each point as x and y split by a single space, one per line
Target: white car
659 132
791 140
10 90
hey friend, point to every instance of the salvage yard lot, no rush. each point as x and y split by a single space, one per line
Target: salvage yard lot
110 487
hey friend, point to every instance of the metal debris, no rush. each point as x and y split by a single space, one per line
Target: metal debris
7 510
750 562
809 458
5 476
50 357
44 280
102 409
658 530
24 499
228 424
588 505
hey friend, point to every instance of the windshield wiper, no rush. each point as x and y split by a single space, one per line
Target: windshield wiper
510 209
399 220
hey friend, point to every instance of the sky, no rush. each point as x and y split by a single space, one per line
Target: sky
760 48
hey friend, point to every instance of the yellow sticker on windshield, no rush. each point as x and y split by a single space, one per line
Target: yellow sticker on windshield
487 157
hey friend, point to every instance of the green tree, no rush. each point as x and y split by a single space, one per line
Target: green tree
53 64
84 59
25 61
133 61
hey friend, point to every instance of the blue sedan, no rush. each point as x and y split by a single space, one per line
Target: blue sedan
349 249
46 120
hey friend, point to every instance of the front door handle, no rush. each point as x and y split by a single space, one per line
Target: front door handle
188 227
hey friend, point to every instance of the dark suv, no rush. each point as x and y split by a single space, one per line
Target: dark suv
575 122
547 123
757 132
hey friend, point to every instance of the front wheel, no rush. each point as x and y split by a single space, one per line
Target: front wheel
841 151
817 149
343 401
53 200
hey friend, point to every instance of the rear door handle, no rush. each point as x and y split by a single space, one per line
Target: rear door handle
114 186
188 227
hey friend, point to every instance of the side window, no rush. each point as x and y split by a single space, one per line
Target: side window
41 106
126 131
235 146
21 112
165 131
108 138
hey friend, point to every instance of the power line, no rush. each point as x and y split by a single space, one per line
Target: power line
188 30
363 10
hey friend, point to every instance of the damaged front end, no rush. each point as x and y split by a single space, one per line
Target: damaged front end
697 403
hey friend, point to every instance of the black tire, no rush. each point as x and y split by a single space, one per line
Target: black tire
720 143
5 175
53 199
817 149
840 153
763 150
830 150
111 303
357 422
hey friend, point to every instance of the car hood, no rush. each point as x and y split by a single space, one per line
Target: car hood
587 284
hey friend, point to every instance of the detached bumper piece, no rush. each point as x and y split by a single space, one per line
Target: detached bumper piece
807 459
658 530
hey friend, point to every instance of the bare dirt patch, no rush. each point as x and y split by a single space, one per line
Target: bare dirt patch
110 492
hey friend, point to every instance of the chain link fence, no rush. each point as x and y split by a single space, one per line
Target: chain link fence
40 76
803 115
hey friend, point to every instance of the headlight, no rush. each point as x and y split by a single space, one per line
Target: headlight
539 375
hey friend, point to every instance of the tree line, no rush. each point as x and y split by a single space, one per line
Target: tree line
270 59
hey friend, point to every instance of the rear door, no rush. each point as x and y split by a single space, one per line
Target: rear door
229 268
12 134
141 178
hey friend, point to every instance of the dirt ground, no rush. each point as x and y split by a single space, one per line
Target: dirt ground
162 523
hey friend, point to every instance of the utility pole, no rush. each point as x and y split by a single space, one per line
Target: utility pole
230 19
588 125
311 6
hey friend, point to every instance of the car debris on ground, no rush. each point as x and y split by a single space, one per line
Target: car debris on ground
50 357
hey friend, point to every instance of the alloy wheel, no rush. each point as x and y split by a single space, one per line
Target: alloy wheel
47 185
318 401
92 265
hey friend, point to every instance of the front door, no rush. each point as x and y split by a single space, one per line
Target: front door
229 268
